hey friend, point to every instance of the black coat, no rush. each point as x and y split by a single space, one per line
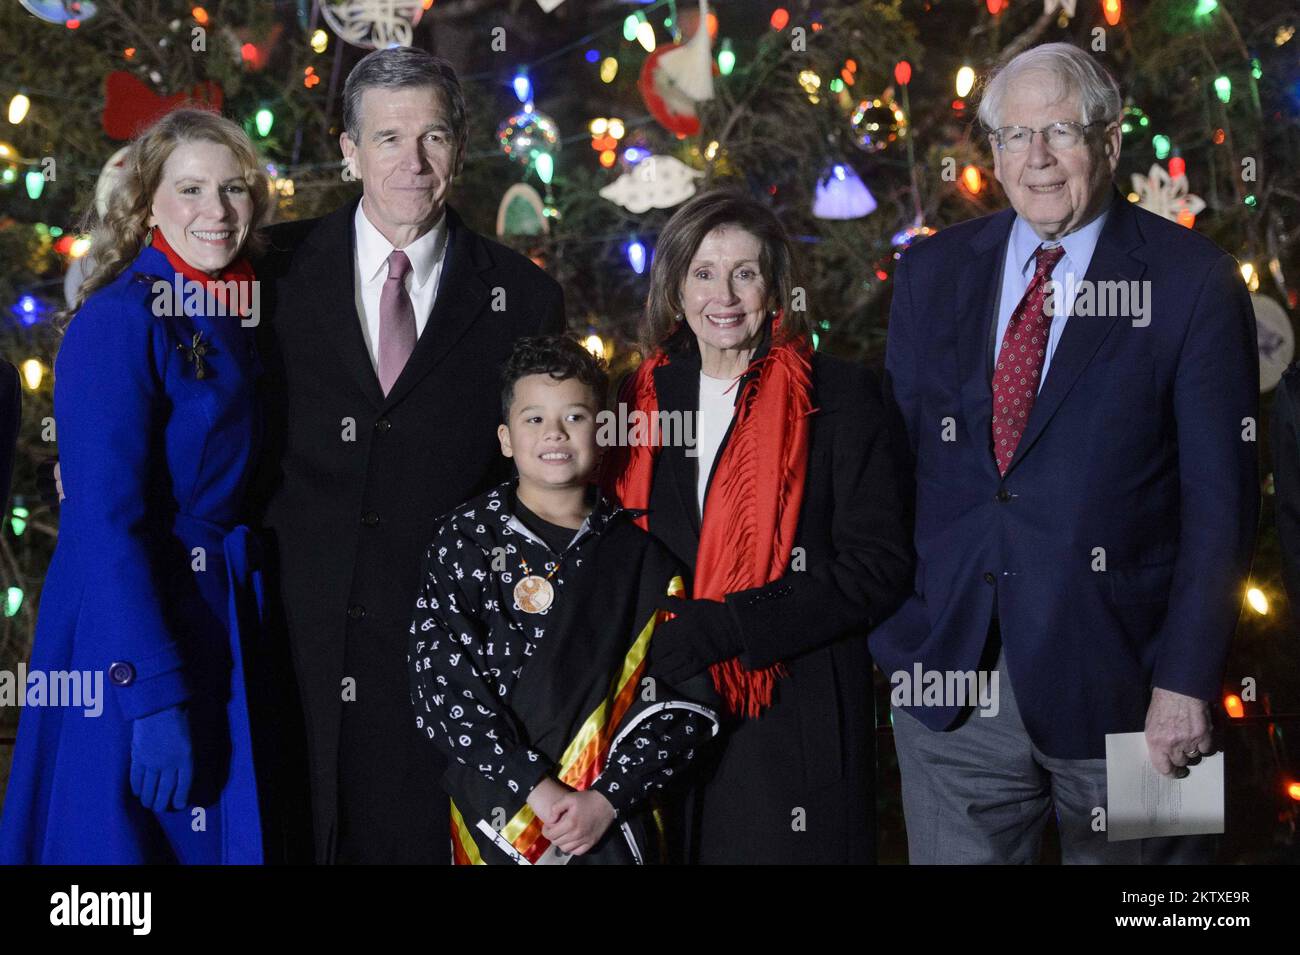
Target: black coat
352 491
1286 481
796 784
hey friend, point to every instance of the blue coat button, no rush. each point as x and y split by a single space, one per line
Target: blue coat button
121 674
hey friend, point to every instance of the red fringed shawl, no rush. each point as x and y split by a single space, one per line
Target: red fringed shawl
754 499
240 271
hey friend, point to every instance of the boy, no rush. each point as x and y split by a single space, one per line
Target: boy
528 649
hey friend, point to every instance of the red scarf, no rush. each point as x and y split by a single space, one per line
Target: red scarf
240 270
749 521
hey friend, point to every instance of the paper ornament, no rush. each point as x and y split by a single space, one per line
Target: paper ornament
549 5
373 24
78 269
1166 195
109 178
841 194
521 212
130 106
657 182
676 77
1276 340
63 12
109 181
1065 6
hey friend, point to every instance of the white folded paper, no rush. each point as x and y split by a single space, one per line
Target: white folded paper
1142 804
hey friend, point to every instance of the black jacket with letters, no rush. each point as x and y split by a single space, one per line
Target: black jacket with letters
510 696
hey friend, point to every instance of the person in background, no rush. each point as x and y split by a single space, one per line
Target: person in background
1286 482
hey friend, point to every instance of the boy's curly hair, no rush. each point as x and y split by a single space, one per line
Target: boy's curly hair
560 356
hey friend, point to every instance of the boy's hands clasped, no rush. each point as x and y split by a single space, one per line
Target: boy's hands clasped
573 821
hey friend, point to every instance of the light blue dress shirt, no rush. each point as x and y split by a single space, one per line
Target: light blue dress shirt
1018 270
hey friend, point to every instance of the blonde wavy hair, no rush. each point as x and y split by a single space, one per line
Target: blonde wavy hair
119 234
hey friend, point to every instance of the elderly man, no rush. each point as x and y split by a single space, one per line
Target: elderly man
389 319
1079 384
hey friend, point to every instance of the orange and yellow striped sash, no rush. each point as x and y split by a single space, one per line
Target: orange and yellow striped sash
584 758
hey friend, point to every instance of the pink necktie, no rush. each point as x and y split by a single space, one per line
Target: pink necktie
1020 361
396 322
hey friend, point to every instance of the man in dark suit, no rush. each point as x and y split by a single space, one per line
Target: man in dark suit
1079 384
386 326
1286 483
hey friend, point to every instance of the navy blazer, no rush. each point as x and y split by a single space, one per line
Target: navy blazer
1115 550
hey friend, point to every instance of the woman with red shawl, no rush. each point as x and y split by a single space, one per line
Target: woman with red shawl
781 495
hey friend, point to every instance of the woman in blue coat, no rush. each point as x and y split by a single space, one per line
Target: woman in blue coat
153 593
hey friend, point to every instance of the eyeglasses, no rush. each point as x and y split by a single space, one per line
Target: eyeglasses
1058 136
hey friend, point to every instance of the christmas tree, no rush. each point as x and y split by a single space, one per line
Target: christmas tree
590 120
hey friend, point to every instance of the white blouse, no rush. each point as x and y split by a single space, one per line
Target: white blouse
717 405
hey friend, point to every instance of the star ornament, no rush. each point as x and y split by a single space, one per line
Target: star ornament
1166 195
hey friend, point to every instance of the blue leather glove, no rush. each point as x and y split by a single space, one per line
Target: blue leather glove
162 759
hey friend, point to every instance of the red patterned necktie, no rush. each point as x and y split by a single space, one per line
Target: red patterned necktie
1020 361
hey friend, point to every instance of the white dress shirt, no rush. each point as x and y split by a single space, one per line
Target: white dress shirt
1018 271
370 271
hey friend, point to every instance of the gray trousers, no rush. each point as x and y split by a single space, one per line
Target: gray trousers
980 793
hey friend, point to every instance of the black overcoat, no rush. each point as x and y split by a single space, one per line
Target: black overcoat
350 493
796 784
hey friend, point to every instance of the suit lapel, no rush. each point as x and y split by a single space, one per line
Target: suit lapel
329 287
978 285
1083 335
462 294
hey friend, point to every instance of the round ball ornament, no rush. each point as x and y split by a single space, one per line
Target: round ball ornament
527 134
877 121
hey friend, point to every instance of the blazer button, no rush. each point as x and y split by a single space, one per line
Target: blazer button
370 518
383 424
989 578
1004 495
356 612
121 674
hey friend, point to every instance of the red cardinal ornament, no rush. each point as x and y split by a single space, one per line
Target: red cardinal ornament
130 106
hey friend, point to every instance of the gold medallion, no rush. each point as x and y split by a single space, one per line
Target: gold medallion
534 594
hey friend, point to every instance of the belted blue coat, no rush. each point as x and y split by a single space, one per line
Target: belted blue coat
154 584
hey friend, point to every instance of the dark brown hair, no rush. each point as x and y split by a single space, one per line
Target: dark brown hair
560 356
680 240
